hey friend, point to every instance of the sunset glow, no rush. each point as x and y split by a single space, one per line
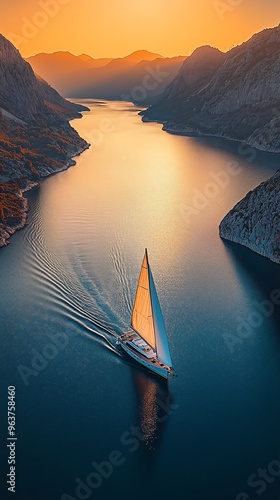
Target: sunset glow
116 28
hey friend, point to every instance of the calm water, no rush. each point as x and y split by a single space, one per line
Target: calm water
69 277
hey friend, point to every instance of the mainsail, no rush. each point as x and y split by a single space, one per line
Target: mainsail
147 319
142 316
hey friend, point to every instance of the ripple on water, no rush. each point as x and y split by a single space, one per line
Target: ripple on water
68 290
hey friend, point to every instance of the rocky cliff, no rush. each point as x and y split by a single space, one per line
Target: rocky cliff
22 93
241 100
54 101
255 221
196 72
36 138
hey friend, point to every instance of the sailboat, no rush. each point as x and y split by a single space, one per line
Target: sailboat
147 342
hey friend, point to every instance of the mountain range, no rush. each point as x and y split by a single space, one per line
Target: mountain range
235 95
36 138
139 77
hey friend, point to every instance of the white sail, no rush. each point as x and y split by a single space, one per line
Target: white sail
147 319
142 318
162 347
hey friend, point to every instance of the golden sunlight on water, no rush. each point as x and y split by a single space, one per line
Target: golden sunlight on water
129 176
139 187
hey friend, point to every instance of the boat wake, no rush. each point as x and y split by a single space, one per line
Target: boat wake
122 277
68 290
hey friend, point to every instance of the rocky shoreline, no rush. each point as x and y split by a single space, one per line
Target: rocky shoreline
18 199
7 231
175 129
36 138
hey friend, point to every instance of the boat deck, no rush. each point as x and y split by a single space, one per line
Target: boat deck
134 342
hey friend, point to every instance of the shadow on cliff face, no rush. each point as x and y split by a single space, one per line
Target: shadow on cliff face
264 273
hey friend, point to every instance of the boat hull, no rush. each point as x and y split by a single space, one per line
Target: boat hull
162 372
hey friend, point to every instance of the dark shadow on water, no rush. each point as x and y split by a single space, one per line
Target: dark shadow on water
243 151
264 273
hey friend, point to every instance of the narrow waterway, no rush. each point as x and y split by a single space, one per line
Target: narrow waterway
67 287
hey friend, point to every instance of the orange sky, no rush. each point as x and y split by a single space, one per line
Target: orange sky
115 28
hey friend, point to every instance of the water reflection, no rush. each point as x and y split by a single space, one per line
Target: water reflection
153 402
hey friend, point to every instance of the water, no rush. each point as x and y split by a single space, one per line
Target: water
69 277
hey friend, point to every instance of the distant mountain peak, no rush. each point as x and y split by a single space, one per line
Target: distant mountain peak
85 57
142 55
206 49
8 50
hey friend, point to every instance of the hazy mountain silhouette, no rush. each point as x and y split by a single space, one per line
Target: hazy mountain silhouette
140 76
